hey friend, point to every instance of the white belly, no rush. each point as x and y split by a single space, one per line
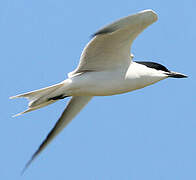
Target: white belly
107 83
96 84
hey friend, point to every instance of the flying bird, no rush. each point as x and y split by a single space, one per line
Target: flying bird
106 68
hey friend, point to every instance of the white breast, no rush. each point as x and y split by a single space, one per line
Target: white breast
117 81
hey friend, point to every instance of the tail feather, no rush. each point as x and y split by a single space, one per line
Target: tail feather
37 93
39 98
27 110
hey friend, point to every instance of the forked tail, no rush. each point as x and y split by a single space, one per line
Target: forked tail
41 97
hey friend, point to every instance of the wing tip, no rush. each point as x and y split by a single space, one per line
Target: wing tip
150 14
26 166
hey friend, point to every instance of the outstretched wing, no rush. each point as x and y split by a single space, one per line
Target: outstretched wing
110 46
74 106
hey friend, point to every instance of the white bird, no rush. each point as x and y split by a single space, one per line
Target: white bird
105 68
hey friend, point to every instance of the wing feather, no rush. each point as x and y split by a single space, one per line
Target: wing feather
74 106
110 46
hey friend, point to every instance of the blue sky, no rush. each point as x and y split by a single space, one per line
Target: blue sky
146 134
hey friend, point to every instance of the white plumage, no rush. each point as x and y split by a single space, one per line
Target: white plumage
105 68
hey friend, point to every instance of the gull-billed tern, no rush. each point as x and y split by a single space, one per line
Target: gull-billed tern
105 68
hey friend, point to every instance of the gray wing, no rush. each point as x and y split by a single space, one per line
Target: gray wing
74 106
110 46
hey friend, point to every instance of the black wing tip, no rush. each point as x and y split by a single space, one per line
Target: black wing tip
27 165
40 148
31 160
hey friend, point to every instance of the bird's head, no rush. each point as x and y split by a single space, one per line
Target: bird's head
163 69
